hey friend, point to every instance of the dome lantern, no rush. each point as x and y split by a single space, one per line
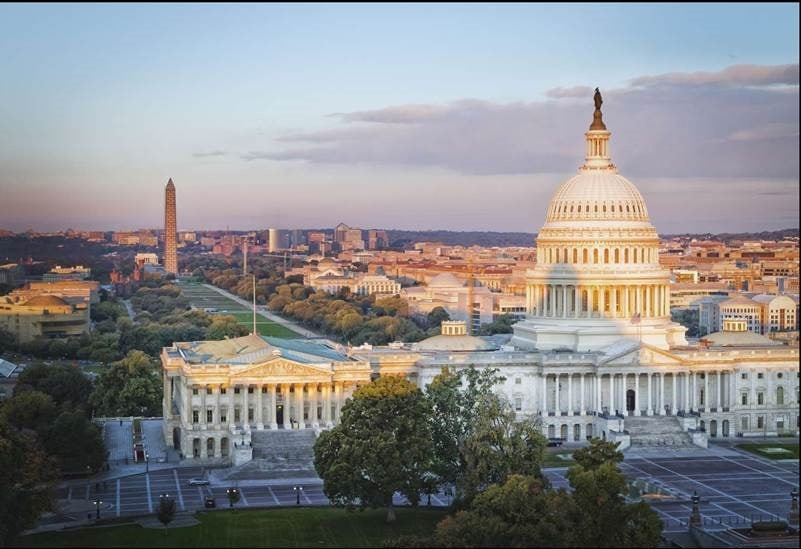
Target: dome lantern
598 141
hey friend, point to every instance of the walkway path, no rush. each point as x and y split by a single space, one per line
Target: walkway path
263 311
130 310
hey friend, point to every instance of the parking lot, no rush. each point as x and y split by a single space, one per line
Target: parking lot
733 489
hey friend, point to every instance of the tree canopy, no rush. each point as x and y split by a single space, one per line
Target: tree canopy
382 445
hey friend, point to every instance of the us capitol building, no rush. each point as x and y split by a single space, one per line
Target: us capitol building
597 354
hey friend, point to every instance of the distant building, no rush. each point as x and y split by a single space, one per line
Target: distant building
12 274
9 372
46 316
58 273
278 240
146 258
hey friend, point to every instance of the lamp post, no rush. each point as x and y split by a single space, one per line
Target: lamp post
147 462
97 503
298 490
233 496
88 474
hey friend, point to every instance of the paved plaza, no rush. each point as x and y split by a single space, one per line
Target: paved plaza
734 488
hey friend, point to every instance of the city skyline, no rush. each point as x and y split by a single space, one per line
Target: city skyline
274 132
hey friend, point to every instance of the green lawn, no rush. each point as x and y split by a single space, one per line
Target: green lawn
306 527
263 325
558 459
763 449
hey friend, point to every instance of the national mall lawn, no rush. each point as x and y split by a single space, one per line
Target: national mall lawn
287 527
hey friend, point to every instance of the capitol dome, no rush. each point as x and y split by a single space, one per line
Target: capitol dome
597 279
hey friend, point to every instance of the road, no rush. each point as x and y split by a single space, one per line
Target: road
263 311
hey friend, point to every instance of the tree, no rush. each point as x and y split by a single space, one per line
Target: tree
166 511
601 517
224 327
500 445
29 410
382 445
8 341
130 387
64 383
76 443
521 512
27 476
455 398
436 317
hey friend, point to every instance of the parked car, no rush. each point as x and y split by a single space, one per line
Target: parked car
198 481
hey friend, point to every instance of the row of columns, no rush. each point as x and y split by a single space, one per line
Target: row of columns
597 256
594 301
684 392
297 398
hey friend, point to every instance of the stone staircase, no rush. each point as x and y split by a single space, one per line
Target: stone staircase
279 453
650 431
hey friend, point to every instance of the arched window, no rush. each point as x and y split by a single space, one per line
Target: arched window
606 255
579 208
617 255
575 255
604 208
625 255
613 208
571 208
595 255
596 208
780 396
584 256
635 256
557 255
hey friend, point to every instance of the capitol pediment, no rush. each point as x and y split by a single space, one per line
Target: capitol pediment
281 367
644 354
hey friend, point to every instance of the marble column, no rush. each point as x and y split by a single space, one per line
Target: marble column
625 291
273 403
674 380
636 393
231 410
613 296
694 399
650 410
564 301
337 400
706 392
598 408
576 301
647 301
259 407
602 300
719 379
544 377
612 402
217 409
662 396
301 405
287 398
582 410
570 394
313 405
186 411
557 404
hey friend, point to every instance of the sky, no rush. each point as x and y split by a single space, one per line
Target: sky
445 116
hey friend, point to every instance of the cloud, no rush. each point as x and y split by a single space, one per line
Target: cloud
719 124
736 75
574 92
209 154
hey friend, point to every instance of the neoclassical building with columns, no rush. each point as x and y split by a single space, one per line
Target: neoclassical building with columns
596 355
217 392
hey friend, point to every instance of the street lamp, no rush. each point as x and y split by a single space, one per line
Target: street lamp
298 490
97 503
233 495
147 462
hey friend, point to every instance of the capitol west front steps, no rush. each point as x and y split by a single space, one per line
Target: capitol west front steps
278 453
650 431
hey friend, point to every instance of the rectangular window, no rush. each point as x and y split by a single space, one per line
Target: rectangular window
250 414
743 376
760 398
264 389
236 415
760 422
250 390
236 390
744 423
223 390
518 381
209 416
194 390
195 416
208 390
760 376
701 399
745 399
223 416
518 404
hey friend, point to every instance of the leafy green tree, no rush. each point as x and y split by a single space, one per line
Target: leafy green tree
501 325
76 443
29 410
436 317
27 477
455 397
64 383
500 445
521 512
382 445
130 387
8 341
223 326
601 517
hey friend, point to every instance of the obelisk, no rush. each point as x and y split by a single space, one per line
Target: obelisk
170 230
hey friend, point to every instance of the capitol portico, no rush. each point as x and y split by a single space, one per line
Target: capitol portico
596 356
